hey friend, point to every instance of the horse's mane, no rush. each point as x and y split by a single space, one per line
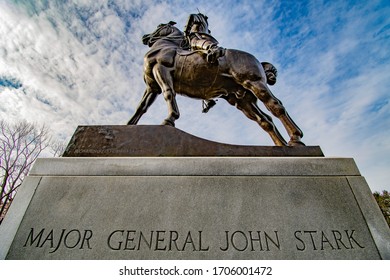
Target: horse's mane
178 39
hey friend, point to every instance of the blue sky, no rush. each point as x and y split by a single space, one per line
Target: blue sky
69 63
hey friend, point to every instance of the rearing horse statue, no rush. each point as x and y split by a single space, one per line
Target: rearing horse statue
238 77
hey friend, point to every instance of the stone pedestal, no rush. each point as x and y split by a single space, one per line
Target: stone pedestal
194 208
170 195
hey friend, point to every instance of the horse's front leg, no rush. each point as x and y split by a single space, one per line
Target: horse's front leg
163 76
147 100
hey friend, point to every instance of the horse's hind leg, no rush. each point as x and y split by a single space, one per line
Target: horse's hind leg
147 100
275 106
249 108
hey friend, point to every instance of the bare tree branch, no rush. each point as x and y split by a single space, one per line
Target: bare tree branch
57 148
20 145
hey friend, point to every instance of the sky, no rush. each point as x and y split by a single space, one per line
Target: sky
69 63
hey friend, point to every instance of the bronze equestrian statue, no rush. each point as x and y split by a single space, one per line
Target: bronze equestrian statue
172 66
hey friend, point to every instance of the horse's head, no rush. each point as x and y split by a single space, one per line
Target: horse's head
164 30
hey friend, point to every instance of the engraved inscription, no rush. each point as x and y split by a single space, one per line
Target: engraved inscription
53 239
159 240
194 241
322 240
253 241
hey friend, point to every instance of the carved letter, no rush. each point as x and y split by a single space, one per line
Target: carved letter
173 236
189 240
311 237
303 247
350 237
338 239
267 237
141 236
119 243
324 239
76 243
49 237
128 239
158 240
200 243
256 239
32 239
59 242
234 243
227 242
86 238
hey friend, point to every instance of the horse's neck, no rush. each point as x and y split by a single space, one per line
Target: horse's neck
174 39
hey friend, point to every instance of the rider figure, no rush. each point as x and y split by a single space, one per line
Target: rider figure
199 38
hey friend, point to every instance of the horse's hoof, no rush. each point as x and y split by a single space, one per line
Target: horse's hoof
296 143
168 122
132 121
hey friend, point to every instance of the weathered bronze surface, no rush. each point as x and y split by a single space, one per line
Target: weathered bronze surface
175 65
162 140
198 36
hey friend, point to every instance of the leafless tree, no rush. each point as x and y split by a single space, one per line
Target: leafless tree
20 145
57 148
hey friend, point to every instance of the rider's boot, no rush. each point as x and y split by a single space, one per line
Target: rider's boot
213 53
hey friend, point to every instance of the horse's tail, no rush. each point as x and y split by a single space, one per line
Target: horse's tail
271 72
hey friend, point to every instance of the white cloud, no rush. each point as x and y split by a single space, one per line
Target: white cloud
82 64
